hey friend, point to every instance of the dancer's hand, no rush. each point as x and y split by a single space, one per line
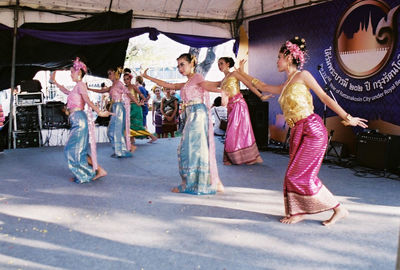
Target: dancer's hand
266 97
355 121
105 113
53 77
144 73
241 66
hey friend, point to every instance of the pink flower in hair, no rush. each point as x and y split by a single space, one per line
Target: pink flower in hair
79 65
296 52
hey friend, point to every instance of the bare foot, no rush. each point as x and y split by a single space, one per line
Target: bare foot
175 190
257 160
153 139
292 219
99 173
338 214
220 187
72 179
227 163
133 148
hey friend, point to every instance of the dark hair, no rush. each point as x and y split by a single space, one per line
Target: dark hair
301 43
228 60
188 57
139 79
217 102
127 70
118 71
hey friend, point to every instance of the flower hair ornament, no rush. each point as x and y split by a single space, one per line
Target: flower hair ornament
79 65
296 52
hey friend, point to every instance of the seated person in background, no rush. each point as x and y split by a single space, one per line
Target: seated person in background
219 113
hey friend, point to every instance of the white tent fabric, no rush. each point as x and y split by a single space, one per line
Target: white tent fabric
195 17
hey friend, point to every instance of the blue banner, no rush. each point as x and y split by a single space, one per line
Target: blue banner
353 52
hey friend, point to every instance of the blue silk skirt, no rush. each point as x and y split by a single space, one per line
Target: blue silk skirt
76 148
193 153
116 131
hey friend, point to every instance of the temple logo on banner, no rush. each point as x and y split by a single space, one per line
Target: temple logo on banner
361 50
364 51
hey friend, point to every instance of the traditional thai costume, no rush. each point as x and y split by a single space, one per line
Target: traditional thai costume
118 124
196 151
136 124
81 133
303 191
240 143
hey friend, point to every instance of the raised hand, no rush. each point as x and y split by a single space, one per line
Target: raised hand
266 97
144 73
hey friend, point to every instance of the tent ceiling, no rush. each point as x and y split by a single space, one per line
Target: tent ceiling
201 11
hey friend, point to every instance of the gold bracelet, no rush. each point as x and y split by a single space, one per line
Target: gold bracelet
254 81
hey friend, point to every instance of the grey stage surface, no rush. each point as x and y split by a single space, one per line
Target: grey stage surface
131 220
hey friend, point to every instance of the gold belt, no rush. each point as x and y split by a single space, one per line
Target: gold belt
74 110
192 102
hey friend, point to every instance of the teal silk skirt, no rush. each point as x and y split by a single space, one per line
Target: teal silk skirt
116 131
76 148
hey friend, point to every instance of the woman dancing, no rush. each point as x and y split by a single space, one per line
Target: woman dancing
118 125
196 151
83 166
303 191
136 115
240 144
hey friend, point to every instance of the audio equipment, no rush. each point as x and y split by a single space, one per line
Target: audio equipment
378 151
53 115
29 99
27 139
31 86
27 118
259 112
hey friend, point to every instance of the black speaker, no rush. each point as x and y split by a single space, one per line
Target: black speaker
259 117
53 115
31 86
27 118
378 151
27 139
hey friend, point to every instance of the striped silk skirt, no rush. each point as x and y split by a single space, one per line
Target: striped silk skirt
116 131
196 153
240 143
303 191
76 148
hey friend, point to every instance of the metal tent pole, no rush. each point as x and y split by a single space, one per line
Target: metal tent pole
12 83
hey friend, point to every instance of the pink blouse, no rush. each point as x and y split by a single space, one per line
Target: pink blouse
117 91
75 99
191 91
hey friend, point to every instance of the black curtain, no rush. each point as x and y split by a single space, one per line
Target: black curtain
34 54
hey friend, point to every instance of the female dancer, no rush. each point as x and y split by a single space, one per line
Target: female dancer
156 111
304 192
136 115
196 152
240 143
120 140
83 166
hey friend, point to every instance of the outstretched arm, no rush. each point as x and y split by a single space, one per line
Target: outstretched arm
175 86
61 87
102 90
211 86
273 89
310 81
243 79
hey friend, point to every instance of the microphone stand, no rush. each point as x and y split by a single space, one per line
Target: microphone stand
328 89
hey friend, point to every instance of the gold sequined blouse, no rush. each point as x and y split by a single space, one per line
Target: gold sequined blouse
231 86
296 103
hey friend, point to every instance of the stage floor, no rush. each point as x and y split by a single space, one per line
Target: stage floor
131 220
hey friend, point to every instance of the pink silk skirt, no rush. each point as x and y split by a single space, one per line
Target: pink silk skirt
303 191
240 143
